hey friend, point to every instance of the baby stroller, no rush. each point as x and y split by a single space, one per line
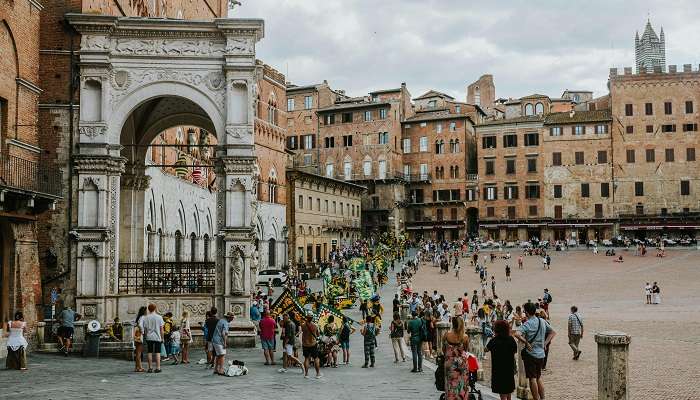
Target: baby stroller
472 364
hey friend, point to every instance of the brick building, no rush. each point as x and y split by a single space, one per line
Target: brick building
439 167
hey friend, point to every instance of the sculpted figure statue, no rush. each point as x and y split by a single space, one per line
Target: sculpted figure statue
237 272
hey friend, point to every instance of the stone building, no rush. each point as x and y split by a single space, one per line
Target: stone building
323 214
650 49
439 167
655 141
28 184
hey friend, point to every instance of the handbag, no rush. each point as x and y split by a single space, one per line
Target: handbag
523 352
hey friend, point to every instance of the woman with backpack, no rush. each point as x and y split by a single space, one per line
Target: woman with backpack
344 339
396 334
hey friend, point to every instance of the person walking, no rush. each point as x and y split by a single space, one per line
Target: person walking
344 338
138 340
370 332
16 343
153 332
185 336
655 294
508 273
309 339
65 331
502 348
520 261
219 342
493 286
208 330
536 334
575 330
288 336
418 331
454 346
267 337
396 331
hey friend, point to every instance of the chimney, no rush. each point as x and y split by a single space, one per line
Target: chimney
672 69
687 67
628 70
572 113
613 71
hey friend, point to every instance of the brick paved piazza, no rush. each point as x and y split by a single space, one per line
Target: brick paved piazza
665 346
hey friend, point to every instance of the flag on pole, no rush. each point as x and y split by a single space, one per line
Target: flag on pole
181 169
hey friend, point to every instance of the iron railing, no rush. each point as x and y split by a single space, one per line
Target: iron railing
167 277
31 176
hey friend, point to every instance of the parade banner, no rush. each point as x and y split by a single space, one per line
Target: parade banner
286 303
325 311
364 285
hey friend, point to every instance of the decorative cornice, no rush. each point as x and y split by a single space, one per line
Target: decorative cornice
235 165
99 164
25 146
36 4
28 85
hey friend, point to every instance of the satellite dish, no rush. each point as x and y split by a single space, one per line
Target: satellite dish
93 326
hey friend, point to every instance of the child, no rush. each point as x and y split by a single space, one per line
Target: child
369 331
175 339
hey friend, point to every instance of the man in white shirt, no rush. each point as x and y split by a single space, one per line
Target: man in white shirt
153 333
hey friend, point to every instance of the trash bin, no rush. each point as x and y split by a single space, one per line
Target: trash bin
92 344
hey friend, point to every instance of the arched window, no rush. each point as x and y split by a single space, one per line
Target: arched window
529 110
206 247
477 96
456 149
367 167
439 146
347 169
178 245
539 109
271 252
193 247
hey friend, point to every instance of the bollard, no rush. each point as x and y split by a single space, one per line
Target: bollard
522 389
441 328
613 352
476 347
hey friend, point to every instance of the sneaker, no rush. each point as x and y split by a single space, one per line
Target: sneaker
306 377
319 376
282 370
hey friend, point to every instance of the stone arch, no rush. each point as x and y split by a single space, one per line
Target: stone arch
11 36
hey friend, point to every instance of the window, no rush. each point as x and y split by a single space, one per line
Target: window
670 157
690 127
630 156
329 170
585 190
406 145
335 208
458 109
490 193
383 137
532 139
605 189
432 103
539 109
330 119
510 140
639 188
688 107
329 142
511 212
424 171
639 209
438 127
454 146
557 212
602 157
439 172
556 158
308 142
347 169
382 169
488 142
649 109
342 212
193 247
308 158
668 108
439 215
490 212
453 126
690 154
367 167
471 194
668 128
292 142
347 140
651 155
629 129
650 128
325 206
346 117
578 157
290 104
628 110
532 191
557 191
685 188
601 129
318 204
423 144
599 211
308 102
510 166
532 211
529 109
439 146
510 192
368 115
382 113
531 165
578 130
489 167
555 131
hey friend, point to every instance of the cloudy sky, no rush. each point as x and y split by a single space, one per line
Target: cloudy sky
530 46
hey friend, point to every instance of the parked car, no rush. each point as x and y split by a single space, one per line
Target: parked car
607 243
275 276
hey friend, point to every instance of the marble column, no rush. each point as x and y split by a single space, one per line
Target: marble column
442 328
476 347
613 366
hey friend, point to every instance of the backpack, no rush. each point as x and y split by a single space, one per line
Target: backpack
548 298
167 327
423 331
440 374
344 333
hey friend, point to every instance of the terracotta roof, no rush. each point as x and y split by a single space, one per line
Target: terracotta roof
578 117
534 96
516 120
433 93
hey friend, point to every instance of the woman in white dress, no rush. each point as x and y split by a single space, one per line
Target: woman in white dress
16 343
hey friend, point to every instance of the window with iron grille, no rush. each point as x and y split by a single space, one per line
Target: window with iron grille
650 128
166 277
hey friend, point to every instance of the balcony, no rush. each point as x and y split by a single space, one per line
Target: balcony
34 177
344 224
167 277
417 178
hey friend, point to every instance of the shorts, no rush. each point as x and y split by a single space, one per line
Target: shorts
533 366
289 349
208 347
65 332
310 352
219 349
345 344
268 344
153 347
175 349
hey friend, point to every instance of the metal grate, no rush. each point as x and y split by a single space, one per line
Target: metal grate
167 277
